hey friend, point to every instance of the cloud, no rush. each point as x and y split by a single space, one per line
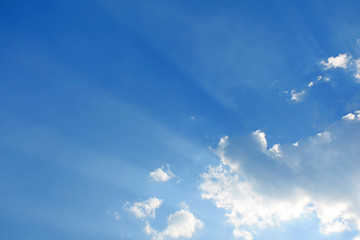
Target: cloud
160 175
352 116
357 70
146 208
297 96
260 186
341 61
242 234
181 224
114 214
318 79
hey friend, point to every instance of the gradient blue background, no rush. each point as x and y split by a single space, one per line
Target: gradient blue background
96 94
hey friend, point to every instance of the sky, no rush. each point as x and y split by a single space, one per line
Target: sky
168 120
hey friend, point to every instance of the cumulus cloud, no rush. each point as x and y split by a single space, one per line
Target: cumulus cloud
145 208
341 61
160 175
260 186
181 224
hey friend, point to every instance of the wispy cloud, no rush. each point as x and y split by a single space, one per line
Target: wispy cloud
114 214
145 208
297 96
318 79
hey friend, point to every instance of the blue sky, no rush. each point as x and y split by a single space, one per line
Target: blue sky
180 120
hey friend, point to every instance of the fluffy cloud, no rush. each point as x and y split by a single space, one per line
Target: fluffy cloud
160 175
145 208
260 186
341 61
181 224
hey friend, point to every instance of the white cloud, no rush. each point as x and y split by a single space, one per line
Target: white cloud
160 175
318 79
297 96
341 61
261 138
181 224
357 237
318 175
352 116
242 234
357 70
145 208
274 151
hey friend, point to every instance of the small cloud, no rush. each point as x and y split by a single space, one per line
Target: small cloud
357 70
352 116
349 116
318 79
160 175
181 224
192 117
145 208
260 137
297 96
341 61
114 214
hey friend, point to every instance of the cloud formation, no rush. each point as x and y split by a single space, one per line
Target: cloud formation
297 96
145 208
160 175
262 186
318 79
340 61
181 224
